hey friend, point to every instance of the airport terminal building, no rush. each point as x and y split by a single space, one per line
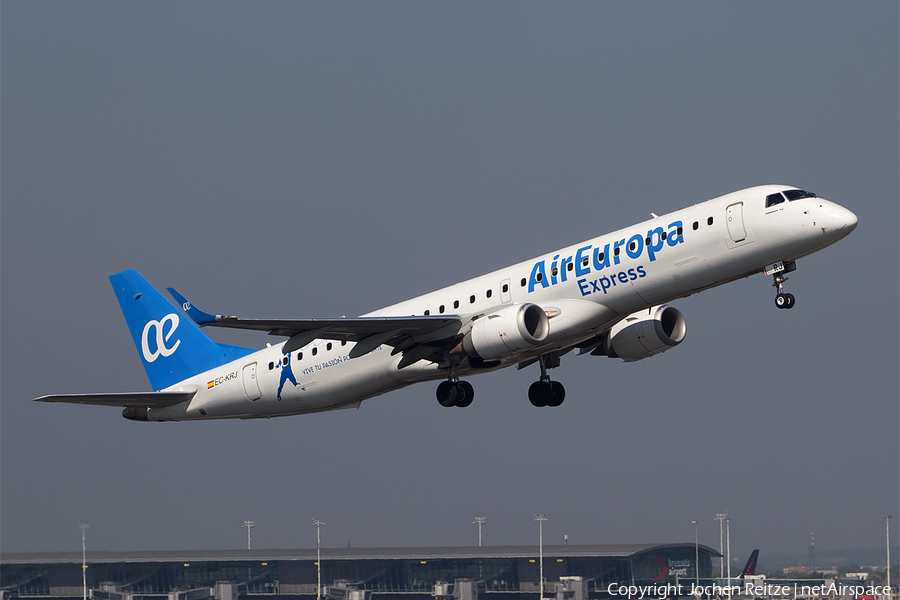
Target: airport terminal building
575 572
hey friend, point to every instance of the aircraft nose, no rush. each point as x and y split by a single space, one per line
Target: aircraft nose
845 220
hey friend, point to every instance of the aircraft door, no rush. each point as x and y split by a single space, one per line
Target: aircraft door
734 217
251 383
505 295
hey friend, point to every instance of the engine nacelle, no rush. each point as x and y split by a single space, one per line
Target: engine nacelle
646 333
136 413
507 331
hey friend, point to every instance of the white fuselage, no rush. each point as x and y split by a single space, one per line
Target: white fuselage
584 288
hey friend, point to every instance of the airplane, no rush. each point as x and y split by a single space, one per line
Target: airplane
603 297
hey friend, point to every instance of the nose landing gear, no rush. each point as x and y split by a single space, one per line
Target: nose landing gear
777 271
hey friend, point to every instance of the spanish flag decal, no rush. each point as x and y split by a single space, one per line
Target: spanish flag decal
210 385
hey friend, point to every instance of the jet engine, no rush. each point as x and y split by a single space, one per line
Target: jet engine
136 413
645 333
507 331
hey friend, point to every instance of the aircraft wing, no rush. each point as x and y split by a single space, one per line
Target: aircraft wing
127 399
403 333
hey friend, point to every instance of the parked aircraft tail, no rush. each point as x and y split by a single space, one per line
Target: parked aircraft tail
750 567
171 347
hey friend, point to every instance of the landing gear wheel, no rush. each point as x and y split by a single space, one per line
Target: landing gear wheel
544 392
557 394
540 393
447 394
455 393
783 299
466 394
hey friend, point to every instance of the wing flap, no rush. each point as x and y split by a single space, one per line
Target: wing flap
127 399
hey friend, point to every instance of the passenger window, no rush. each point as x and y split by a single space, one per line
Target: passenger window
538 277
662 236
489 293
616 251
343 342
471 299
569 267
774 199
456 304
709 221
328 346
271 366
696 225
441 309
678 231
648 240
554 272
584 262
299 356
523 282
600 256
506 287
315 350
427 312
285 360
632 246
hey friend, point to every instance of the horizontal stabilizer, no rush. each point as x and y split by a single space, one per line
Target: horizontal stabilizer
127 399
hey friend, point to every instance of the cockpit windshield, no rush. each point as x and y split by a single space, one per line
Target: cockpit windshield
778 198
798 195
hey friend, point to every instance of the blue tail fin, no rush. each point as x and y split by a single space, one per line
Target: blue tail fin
750 568
171 347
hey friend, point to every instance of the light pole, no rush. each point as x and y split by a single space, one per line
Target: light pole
540 519
728 550
887 535
84 526
721 517
318 523
249 525
480 521
696 554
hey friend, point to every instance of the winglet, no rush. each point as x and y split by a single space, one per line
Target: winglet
197 316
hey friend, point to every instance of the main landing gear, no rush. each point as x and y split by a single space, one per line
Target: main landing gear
778 270
454 392
545 392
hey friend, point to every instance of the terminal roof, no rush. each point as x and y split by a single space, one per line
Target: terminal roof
415 553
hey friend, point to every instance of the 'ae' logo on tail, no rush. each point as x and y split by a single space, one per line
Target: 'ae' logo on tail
161 338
